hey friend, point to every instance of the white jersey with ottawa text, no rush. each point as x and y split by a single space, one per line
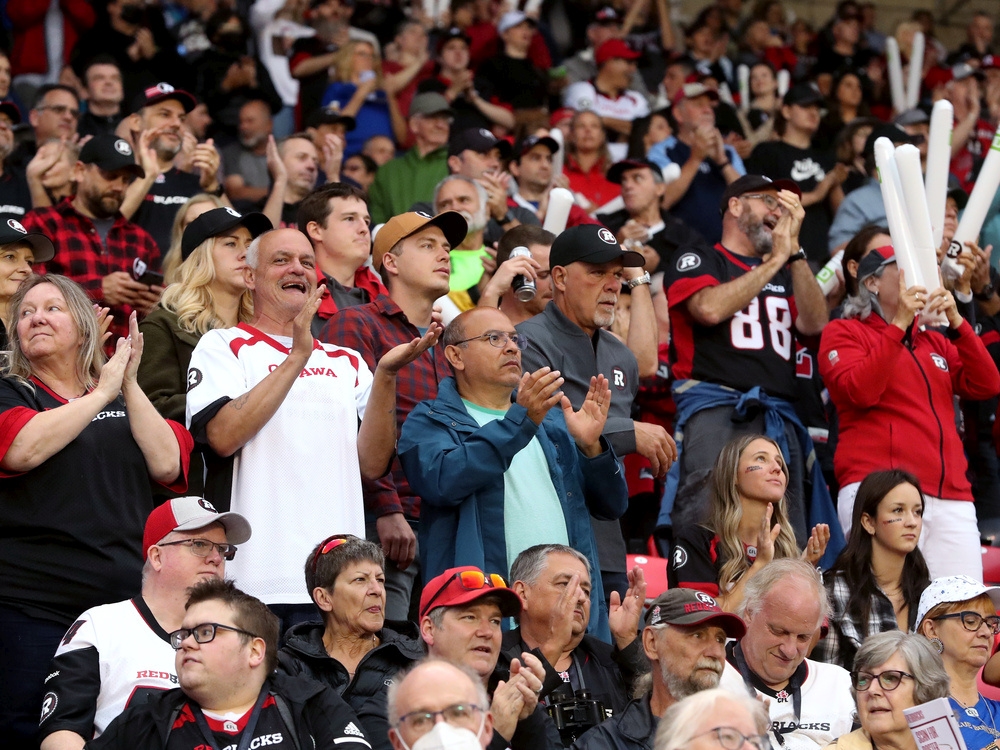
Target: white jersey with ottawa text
298 479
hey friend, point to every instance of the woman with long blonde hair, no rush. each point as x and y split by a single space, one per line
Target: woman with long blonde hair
209 293
195 206
747 526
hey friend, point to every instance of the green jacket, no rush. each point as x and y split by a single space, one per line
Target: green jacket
406 180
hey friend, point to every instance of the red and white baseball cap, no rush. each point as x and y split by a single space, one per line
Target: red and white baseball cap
189 514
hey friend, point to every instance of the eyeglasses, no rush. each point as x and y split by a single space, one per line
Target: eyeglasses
499 339
731 739
329 544
471 580
973 620
464 715
204 633
889 679
203 547
60 109
769 201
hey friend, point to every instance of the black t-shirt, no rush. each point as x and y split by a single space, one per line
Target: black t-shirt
832 62
311 87
169 192
697 559
15 197
807 167
670 235
755 347
72 526
290 214
504 79
467 115
91 124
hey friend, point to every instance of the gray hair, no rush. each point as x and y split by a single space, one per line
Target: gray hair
861 305
392 694
253 251
773 574
930 680
528 566
682 722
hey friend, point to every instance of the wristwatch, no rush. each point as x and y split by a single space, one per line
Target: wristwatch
638 281
800 255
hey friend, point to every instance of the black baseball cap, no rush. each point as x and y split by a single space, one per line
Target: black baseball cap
110 153
690 607
607 16
218 220
750 183
11 110
591 243
894 133
331 115
161 92
803 94
619 168
525 145
479 140
452 33
12 231
958 195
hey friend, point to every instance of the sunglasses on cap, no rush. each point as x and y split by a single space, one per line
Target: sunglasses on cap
471 580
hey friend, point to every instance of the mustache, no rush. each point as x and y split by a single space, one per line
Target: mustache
707 662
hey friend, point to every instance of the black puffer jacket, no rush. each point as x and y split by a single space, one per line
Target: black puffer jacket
399 647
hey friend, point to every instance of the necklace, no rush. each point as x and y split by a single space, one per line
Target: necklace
971 712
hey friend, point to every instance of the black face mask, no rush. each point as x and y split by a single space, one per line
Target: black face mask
232 41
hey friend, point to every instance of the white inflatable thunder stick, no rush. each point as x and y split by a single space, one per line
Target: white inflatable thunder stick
979 202
559 157
743 79
560 201
915 73
938 160
895 75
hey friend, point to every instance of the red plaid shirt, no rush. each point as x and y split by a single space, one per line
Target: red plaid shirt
81 256
372 330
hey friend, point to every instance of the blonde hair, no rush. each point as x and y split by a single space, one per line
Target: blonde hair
343 61
172 260
727 511
90 357
191 298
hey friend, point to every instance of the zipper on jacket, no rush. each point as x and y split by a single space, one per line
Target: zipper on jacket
930 401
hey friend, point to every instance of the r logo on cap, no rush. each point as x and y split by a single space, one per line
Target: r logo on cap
607 235
233 212
123 148
206 505
485 133
701 596
16 226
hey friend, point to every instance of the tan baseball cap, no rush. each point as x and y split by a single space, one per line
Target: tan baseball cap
452 223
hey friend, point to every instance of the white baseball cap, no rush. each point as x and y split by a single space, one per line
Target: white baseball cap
190 514
951 590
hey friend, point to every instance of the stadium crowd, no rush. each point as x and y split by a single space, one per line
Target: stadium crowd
449 307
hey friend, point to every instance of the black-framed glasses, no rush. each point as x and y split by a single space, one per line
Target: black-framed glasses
465 715
60 109
769 201
204 633
499 339
733 739
889 679
203 547
973 620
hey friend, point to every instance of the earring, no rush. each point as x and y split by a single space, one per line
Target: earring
938 645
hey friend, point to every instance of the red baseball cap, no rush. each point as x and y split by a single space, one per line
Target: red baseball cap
458 586
190 514
614 48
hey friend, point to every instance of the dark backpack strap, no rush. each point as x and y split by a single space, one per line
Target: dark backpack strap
170 725
286 716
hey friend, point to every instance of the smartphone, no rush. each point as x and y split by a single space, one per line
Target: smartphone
151 278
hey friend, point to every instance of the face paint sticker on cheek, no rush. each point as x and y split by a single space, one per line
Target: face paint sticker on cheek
753 468
893 520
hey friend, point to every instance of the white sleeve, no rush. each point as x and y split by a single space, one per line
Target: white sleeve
580 96
214 373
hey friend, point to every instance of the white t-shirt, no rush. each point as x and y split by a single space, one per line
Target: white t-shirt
298 479
628 106
109 657
827 707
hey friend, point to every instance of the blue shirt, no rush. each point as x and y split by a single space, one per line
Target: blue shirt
372 118
979 728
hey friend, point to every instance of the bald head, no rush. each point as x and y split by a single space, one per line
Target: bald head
434 685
